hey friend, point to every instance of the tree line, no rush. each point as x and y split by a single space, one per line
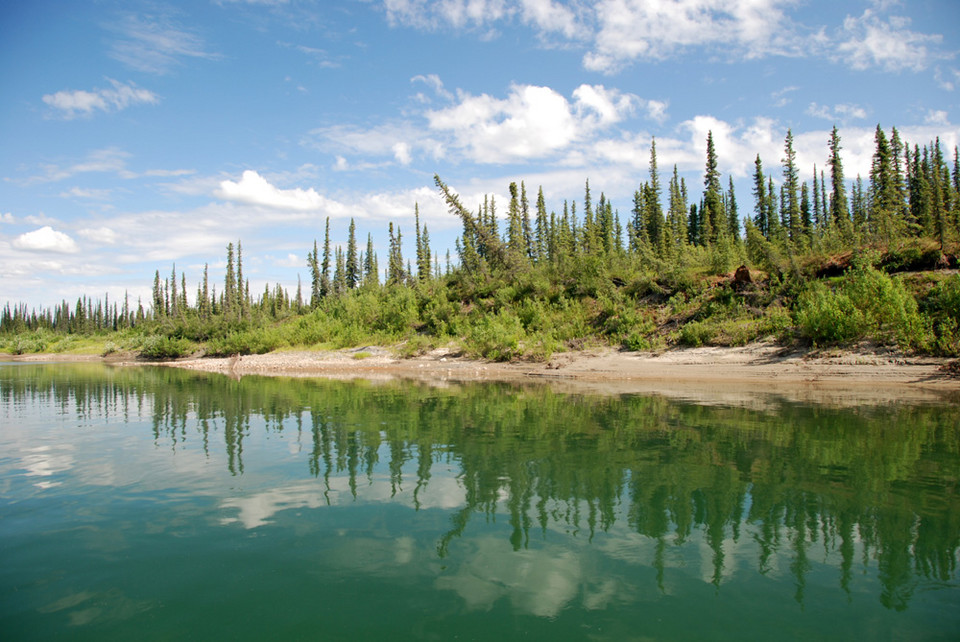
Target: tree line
910 194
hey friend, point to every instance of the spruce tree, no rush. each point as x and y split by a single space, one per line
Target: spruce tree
395 273
638 234
525 219
339 272
817 211
882 199
229 285
678 212
760 198
242 293
352 268
543 227
791 183
839 212
325 262
806 221
711 213
174 296
316 290
515 236
733 215
370 272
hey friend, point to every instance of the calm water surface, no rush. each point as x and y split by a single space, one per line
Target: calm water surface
150 503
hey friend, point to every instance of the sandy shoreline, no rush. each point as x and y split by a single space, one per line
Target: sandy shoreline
868 373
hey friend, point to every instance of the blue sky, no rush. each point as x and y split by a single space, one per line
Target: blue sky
139 134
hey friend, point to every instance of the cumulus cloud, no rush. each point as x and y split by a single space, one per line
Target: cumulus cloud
6 217
46 239
119 96
870 40
531 122
254 189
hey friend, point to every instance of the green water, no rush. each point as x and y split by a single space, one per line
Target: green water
151 503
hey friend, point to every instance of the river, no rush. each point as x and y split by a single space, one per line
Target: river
154 503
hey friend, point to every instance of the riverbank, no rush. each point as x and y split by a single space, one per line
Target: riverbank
760 364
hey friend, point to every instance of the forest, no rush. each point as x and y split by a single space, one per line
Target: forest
821 261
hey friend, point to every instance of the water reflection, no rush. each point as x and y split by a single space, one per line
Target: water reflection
542 494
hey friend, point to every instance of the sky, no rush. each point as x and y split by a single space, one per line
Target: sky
135 135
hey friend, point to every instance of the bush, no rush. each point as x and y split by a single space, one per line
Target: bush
941 308
826 317
697 333
161 347
889 309
247 342
495 337
867 303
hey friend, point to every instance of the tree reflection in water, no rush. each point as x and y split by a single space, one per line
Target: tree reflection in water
845 486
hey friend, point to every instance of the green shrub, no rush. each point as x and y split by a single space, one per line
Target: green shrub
697 333
162 347
246 342
890 311
941 308
396 312
495 337
826 317
866 304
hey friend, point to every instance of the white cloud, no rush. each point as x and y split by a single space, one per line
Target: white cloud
598 107
838 113
155 43
946 81
401 152
168 172
937 117
255 190
291 261
433 81
657 110
381 141
869 40
46 239
460 14
86 193
617 33
629 30
6 217
781 98
531 122
553 17
103 235
79 102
